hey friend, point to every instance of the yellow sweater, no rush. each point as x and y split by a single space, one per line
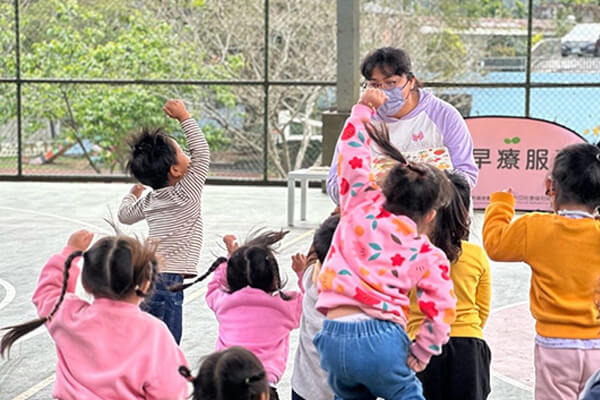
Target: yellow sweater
471 278
564 256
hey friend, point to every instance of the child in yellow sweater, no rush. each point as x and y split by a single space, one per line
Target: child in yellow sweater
462 371
563 251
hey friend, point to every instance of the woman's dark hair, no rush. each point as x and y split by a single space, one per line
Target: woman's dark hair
453 221
411 189
252 264
152 155
323 237
114 267
235 373
576 175
390 61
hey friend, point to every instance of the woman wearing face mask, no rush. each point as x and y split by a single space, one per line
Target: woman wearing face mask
415 118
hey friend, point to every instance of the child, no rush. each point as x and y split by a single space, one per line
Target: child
462 371
309 381
563 252
234 373
251 308
172 209
109 349
379 253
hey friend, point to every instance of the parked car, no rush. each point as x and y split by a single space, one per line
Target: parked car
583 39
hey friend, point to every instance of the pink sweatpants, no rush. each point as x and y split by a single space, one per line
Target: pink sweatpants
560 374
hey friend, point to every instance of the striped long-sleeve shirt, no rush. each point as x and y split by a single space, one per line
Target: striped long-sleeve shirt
174 213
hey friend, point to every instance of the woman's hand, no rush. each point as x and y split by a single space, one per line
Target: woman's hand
373 98
298 263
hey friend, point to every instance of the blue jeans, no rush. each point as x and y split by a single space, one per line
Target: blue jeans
367 359
165 305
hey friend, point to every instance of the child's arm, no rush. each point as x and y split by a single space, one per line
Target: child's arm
215 291
131 209
192 182
299 265
165 382
436 300
354 158
503 240
51 278
484 291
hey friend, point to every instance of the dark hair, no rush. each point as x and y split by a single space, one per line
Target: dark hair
453 221
411 189
323 237
391 61
252 264
576 175
234 373
152 155
115 267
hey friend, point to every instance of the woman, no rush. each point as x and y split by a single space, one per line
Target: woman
415 118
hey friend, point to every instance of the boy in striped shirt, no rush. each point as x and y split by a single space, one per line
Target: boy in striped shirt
172 209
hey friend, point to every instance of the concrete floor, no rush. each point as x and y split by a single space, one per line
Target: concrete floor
37 218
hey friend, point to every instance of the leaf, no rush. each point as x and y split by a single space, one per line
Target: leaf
396 239
429 327
345 272
374 257
413 249
516 139
357 185
370 216
354 144
352 193
507 141
374 225
385 306
375 246
434 347
361 137
413 258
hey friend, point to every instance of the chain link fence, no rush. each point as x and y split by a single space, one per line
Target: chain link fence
77 77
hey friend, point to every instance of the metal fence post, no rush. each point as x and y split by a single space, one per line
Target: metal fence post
528 66
348 45
18 87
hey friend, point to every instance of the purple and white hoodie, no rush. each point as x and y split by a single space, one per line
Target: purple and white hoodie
433 123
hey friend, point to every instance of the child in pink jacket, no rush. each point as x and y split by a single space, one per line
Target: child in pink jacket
251 308
109 349
379 252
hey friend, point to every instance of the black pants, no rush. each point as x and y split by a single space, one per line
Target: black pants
461 372
273 395
296 396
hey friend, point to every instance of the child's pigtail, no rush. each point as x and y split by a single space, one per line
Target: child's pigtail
381 136
17 331
186 373
181 286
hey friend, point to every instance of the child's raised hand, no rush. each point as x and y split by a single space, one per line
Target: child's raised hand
415 364
175 108
80 240
137 190
231 243
298 262
373 98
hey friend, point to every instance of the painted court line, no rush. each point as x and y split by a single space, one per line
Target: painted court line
10 293
191 297
42 214
34 389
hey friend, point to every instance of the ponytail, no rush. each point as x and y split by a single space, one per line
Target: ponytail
181 286
381 136
17 331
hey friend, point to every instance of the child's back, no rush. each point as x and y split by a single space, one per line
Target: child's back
172 210
109 349
563 252
564 256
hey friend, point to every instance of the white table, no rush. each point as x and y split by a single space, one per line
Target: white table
304 176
